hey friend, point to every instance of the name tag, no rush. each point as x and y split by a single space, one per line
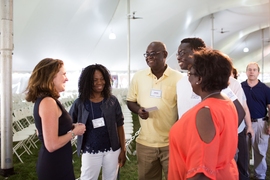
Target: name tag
99 122
156 93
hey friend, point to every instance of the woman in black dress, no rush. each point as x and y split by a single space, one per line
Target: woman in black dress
53 123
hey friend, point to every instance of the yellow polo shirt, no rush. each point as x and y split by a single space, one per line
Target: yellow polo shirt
155 130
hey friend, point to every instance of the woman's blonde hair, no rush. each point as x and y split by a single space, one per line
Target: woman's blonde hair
41 83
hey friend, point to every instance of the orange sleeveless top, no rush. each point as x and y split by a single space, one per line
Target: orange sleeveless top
189 155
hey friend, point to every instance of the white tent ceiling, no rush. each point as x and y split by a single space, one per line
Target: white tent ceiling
77 31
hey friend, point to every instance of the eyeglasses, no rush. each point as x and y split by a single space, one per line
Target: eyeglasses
181 53
190 74
151 54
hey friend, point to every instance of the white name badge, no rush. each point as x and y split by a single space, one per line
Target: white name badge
99 122
156 93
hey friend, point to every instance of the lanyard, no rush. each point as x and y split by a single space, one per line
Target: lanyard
93 110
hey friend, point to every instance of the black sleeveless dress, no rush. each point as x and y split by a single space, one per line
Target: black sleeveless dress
58 164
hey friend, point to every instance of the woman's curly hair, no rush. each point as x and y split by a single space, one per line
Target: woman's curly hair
86 81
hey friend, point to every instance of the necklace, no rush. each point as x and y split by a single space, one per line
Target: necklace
210 95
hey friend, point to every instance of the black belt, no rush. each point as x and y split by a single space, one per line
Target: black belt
259 119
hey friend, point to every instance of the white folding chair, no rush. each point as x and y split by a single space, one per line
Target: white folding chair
21 126
20 142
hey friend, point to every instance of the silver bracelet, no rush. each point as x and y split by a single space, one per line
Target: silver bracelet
72 133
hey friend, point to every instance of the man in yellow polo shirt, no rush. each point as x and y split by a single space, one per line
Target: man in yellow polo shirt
152 95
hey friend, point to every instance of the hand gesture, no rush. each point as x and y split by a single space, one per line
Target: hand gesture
79 129
143 114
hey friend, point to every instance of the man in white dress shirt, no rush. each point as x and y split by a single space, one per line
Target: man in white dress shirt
186 99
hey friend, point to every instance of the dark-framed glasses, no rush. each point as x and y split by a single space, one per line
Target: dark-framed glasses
151 54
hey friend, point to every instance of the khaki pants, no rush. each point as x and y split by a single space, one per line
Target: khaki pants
260 147
152 161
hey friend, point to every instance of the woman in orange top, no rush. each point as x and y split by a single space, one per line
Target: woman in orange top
204 141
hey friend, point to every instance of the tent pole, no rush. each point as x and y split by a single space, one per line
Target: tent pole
128 39
212 32
262 68
6 87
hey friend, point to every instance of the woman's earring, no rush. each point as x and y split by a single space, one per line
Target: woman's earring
196 83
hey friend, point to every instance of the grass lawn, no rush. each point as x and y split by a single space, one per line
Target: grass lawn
27 170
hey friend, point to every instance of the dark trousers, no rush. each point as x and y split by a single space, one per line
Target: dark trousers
243 159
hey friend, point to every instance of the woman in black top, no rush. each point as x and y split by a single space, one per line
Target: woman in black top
53 123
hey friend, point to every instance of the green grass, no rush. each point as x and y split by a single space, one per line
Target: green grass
27 170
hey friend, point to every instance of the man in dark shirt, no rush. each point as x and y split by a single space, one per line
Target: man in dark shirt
258 100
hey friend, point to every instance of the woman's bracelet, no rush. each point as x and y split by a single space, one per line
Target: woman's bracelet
72 134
